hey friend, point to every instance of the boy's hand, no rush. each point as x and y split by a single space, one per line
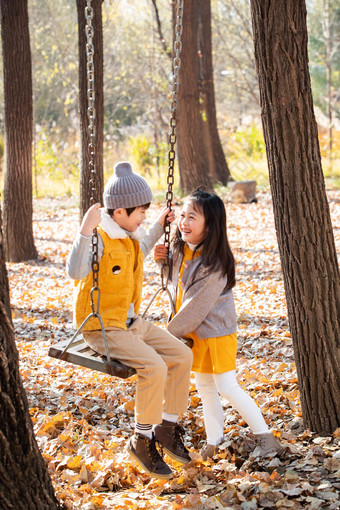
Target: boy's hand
91 220
160 252
166 213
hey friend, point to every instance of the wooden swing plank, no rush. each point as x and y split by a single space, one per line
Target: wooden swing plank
80 353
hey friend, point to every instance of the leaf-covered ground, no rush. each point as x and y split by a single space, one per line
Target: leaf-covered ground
82 419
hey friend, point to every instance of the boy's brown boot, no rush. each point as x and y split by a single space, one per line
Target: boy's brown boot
267 445
144 452
170 436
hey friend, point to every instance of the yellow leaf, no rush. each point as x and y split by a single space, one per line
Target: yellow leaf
74 462
337 432
275 476
130 405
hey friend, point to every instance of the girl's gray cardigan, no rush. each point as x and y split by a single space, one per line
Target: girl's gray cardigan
208 309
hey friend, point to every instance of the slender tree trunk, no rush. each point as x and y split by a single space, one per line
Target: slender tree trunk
163 42
218 165
85 173
4 288
302 218
24 480
192 157
327 30
17 70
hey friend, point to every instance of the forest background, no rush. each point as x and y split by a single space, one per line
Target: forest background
137 94
137 97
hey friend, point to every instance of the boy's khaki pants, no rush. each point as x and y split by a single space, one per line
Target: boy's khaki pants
162 362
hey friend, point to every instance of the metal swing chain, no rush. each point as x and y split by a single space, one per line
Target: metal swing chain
91 113
91 130
176 64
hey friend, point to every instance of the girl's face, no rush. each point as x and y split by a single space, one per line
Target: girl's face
192 225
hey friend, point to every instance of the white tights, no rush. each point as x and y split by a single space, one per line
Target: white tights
209 386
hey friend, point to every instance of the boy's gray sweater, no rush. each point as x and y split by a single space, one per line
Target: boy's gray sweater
208 309
79 261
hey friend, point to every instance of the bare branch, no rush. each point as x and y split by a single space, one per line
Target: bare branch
160 32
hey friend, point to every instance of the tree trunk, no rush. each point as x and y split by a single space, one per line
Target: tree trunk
302 217
24 480
327 31
4 288
218 166
85 171
17 70
192 157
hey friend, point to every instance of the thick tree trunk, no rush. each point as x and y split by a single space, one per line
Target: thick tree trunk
24 480
218 166
308 256
192 157
85 172
18 208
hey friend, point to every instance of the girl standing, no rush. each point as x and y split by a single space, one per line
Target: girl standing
203 275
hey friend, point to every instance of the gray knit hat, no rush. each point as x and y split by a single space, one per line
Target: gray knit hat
126 189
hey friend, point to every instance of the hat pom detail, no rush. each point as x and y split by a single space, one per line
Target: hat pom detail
122 169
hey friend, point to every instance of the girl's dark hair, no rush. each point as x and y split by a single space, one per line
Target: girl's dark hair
216 253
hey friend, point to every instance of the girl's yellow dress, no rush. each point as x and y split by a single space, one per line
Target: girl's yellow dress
211 355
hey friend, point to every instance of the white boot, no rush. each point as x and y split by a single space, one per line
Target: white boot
209 450
267 445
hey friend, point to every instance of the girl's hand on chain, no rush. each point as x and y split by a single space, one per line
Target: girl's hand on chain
160 252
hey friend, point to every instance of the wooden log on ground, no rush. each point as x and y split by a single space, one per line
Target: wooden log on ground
243 192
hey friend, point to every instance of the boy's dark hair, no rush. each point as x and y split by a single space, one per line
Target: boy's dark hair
216 253
129 210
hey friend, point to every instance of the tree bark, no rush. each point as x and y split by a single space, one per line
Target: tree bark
24 480
4 288
85 172
192 157
302 218
218 166
17 71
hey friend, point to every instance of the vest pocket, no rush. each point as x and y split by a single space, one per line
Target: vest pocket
116 270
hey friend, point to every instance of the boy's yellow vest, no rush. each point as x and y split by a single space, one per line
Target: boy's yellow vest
120 282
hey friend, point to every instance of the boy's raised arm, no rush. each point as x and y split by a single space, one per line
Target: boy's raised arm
156 231
91 220
78 264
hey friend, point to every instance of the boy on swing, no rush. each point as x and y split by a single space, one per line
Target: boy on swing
162 362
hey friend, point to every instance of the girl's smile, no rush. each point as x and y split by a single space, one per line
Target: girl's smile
192 225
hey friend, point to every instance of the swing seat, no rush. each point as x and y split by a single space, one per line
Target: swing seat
80 353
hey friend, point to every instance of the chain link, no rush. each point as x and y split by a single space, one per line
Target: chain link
91 114
91 110
176 64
